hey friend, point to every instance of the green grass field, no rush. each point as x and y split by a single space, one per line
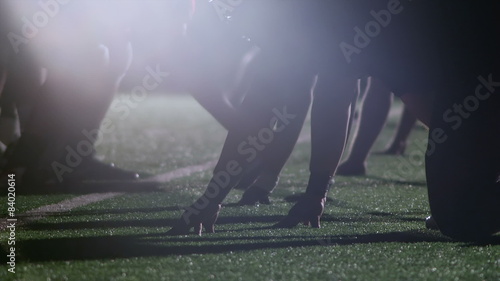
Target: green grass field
372 229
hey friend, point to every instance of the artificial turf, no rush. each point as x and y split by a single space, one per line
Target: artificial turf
372 229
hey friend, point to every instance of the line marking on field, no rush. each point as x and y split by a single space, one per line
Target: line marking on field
67 205
182 172
304 138
84 200
80 201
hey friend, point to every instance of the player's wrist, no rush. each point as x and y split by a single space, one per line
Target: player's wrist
319 184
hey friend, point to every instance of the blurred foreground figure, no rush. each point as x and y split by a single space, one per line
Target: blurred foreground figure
7 132
86 51
445 70
83 69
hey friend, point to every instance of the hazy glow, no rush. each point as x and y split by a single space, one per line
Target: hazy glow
58 30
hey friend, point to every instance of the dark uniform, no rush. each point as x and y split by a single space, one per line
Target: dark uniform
433 48
463 166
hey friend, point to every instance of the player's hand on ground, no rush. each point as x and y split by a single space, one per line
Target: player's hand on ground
198 218
308 211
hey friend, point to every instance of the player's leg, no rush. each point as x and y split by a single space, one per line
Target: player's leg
244 147
399 143
10 129
23 78
23 81
58 143
329 120
376 104
286 134
3 64
463 155
3 76
463 169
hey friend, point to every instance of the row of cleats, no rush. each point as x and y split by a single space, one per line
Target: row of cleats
307 211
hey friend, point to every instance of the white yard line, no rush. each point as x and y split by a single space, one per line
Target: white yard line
80 201
182 172
67 205
304 138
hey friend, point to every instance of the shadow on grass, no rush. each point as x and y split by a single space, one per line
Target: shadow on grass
104 224
395 181
222 220
125 211
297 196
92 187
110 247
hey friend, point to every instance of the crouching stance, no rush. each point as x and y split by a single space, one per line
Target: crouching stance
281 91
454 92
446 76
